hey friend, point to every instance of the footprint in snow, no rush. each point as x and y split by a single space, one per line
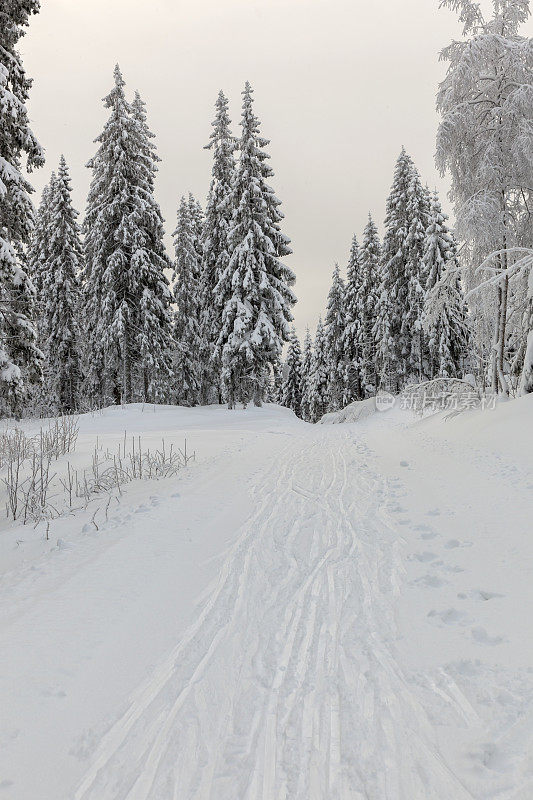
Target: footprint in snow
141 510
431 581
396 509
480 635
424 557
404 463
451 616
435 512
447 567
479 594
453 543
429 535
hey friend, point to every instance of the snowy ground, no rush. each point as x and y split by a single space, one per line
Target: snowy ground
335 612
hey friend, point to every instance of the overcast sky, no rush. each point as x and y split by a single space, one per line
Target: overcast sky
340 86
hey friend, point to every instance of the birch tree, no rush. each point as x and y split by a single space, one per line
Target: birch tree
485 141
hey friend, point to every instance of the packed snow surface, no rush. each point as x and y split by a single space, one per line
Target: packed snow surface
331 612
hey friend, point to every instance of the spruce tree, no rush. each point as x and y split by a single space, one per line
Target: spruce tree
398 327
215 247
125 287
319 381
335 332
291 390
38 256
60 298
353 336
307 365
255 286
445 312
20 357
155 343
186 318
370 257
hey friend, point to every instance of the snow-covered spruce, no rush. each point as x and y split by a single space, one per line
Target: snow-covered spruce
445 319
154 336
186 280
307 365
360 309
485 141
254 289
318 393
215 247
398 330
126 291
291 389
37 259
334 330
20 358
60 302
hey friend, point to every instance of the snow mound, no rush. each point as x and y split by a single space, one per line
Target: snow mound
505 429
360 409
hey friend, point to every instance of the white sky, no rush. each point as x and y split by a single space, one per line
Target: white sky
340 86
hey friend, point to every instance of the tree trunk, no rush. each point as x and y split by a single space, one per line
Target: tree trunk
258 399
126 379
504 388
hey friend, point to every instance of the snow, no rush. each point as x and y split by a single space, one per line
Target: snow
330 611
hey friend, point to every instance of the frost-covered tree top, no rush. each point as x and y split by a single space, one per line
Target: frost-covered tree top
440 248
147 151
222 143
485 138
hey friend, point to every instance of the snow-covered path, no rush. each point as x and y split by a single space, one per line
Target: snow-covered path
291 681
287 686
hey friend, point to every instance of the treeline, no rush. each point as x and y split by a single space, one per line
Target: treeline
398 317
99 313
117 320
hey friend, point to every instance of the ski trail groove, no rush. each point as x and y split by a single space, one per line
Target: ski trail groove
286 687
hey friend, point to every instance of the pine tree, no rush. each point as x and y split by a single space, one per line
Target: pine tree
319 381
186 296
125 287
60 298
255 286
335 332
215 249
445 312
291 390
398 328
307 365
20 358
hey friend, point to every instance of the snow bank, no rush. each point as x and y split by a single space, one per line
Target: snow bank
507 428
360 409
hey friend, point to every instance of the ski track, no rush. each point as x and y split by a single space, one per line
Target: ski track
287 686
